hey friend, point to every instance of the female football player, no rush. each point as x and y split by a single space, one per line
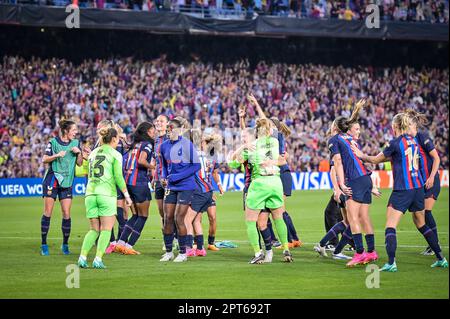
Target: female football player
408 192
62 154
354 180
180 162
137 179
430 173
105 175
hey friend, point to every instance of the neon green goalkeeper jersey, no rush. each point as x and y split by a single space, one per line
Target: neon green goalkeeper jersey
265 149
105 172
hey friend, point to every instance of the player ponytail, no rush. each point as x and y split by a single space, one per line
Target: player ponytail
281 127
343 124
107 134
417 118
65 125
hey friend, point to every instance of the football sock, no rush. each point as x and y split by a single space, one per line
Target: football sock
272 234
292 233
431 239
128 228
391 243
113 238
370 241
211 240
345 239
88 242
189 241
267 238
45 225
121 220
199 239
358 243
430 222
137 230
332 233
182 244
282 231
66 226
168 242
252 234
103 242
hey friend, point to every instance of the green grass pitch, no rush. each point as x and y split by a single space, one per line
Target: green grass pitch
222 274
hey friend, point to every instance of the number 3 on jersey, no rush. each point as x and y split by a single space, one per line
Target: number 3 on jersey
96 165
412 159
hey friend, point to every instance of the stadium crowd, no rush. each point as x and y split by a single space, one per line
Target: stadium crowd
36 93
434 11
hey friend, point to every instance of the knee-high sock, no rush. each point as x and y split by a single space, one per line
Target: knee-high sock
168 242
128 228
370 241
211 240
290 226
182 243
189 241
252 234
332 233
45 226
137 230
272 234
430 222
121 220
345 239
391 243
282 231
66 226
200 240
431 238
112 238
267 238
88 242
103 242
357 238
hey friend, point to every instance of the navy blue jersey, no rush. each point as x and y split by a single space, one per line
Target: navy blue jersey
353 166
426 145
180 162
135 174
204 175
282 150
406 162
158 142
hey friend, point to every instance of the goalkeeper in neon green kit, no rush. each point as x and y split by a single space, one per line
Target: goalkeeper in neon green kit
266 190
105 172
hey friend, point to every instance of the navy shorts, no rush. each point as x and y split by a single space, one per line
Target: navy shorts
286 180
50 188
361 189
410 199
202 201
139 194
120 195
159 190
434 191
179 197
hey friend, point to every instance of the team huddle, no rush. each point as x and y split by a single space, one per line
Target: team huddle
180 164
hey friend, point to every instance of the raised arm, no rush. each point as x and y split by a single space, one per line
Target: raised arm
380 158
253 100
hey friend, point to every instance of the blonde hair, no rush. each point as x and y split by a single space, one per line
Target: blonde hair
402 122
417 118
263 124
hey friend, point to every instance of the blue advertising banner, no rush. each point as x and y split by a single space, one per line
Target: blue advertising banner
24 187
